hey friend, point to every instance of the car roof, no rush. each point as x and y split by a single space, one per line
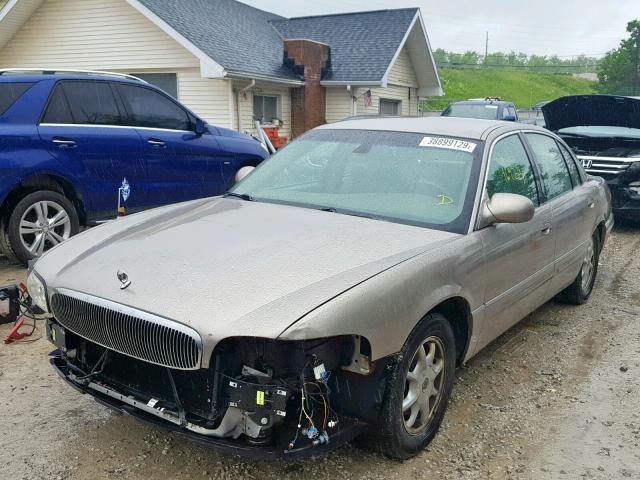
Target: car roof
36 77
482 102
449 126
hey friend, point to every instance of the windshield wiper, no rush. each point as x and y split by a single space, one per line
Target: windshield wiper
345 212
243 196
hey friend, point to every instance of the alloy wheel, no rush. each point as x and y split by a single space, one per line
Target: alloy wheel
588 268
423 385
43 225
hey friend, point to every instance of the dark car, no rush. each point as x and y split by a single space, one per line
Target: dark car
69 139
488 109
604 132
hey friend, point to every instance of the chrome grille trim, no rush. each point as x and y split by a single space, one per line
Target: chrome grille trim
610 165
126 330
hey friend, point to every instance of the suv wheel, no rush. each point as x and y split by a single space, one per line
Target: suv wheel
418 389
38 222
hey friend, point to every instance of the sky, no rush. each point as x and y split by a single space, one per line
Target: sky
543 27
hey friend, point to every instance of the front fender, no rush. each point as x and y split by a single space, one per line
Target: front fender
386 308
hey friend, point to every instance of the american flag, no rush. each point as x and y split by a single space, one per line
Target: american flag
368 99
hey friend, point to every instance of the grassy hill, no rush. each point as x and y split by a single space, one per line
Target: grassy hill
522 88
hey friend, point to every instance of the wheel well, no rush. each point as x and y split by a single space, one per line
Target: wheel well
601 230
44 182
458 312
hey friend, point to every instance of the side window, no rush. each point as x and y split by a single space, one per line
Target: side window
571 163
148 108
92 103
510 170
553 171
57 109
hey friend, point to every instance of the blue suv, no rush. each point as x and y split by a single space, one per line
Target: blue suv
69 139
490 108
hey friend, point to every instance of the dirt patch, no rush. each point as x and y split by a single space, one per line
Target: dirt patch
554 397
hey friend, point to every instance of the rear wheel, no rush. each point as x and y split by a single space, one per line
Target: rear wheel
38 222
580 290
419 389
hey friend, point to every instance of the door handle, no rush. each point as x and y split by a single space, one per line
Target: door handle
63 142
156 143
546 229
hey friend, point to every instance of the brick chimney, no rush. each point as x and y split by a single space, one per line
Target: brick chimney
309 58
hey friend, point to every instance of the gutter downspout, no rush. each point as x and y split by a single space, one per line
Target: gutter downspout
354 104
238 92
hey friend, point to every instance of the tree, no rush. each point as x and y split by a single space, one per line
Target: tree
619 71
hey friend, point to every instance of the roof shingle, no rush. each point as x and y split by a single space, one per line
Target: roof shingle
245 39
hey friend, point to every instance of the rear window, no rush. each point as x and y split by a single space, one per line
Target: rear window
10 92
473 110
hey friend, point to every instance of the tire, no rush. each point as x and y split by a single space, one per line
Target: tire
580 290
37 235
397 436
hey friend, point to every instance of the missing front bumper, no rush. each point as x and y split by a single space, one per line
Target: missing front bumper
220 438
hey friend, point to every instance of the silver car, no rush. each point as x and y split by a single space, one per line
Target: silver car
333 291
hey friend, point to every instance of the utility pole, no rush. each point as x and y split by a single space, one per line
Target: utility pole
486 48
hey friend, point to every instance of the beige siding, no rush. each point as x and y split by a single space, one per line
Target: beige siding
392 92
246 106
208 97
93 34
112 35
402 72
3 3
338 104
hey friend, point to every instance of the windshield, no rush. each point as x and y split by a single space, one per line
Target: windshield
485 111
601 131
404 177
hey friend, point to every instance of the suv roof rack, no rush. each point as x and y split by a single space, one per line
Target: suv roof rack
53 71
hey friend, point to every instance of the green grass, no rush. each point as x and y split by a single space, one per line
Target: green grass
522 88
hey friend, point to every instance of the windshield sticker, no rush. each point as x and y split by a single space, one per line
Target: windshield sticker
448 143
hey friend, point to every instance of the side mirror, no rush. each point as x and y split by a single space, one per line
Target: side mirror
200 127
509 118
243 172
507 208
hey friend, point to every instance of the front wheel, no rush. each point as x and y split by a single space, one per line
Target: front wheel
419 389
38 222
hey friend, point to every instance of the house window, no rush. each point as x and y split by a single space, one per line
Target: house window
165 81
389 107
266 108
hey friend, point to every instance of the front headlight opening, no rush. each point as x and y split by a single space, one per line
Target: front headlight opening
37 291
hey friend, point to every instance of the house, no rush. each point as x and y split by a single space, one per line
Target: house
232 63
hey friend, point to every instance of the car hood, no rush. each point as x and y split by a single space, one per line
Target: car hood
229 267
589 110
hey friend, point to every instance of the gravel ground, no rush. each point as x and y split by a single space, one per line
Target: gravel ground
555 397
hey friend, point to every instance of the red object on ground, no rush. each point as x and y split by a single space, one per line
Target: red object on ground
271 132
279 142
14 335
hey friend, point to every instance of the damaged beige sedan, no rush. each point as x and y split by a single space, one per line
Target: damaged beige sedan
333 291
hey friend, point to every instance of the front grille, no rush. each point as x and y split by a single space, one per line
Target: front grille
129 331
609 165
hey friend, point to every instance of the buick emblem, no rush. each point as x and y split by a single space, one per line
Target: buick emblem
587 163
124 280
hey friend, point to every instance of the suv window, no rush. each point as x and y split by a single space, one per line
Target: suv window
553 170
571 163
148 108
58 109
91 103
10 92
510 170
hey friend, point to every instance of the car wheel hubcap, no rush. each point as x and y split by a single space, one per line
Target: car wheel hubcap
588 267
44 225
423 385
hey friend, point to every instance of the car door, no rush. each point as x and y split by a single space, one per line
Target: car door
518 257
572 202
82 128
181 165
